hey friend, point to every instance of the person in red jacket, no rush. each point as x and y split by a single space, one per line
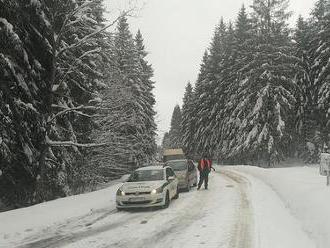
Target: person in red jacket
204 168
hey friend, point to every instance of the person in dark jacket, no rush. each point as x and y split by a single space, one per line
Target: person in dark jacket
204 168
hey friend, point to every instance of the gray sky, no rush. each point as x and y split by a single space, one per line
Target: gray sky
176 34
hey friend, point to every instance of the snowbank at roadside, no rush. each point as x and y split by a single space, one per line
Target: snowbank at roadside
304 193
16 224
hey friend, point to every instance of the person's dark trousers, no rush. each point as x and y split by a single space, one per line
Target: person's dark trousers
206 180
201 180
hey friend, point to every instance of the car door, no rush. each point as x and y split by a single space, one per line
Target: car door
172 183
192 172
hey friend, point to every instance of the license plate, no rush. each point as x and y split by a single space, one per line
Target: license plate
136 199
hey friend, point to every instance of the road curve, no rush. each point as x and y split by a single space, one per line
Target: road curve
218 217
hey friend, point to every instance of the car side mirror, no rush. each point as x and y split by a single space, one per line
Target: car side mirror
171 178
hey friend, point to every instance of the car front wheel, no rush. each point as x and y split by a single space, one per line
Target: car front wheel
177 194
167 200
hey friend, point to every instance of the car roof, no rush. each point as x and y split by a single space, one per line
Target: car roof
154 167
168 152
177 160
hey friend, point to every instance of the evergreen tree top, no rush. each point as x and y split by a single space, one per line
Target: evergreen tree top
202 70
270 16
188 87
176 117
319 10
243 22
205 58
123 29
139 41
188 94
230 27
301 26
219 32
139 44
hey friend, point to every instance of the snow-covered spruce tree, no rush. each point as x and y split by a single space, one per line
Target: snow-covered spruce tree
305 114
310 114
202 71
207 93
147 100
315 46
133 74
111 160
187 123
224 88
321 69
60 45
242 44
175 135
267 87
77 43
166 141
24 65
197 92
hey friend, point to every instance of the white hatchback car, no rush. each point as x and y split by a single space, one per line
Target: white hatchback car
149 186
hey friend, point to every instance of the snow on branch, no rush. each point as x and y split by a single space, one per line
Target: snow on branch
76 110
71 144
67 21
87 37
77 60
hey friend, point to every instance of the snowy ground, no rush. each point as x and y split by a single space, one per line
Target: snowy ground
245 207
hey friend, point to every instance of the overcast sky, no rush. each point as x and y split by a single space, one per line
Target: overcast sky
176 34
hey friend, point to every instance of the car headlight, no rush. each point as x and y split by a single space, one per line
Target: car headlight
157 191
120 192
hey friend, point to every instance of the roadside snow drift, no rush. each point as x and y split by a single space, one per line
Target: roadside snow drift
20 223
303 192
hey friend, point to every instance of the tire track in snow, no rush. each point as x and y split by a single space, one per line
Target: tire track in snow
57 240
242 232
174 227
197 204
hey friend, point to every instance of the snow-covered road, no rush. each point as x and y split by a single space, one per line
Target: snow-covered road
238 211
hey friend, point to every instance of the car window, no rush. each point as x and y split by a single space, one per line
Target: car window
172 174
146 175
177 165
191 166
169 173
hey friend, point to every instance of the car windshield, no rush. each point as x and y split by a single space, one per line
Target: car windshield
177 165
146 175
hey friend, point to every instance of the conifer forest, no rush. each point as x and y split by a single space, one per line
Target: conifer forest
76 100
77 103
263 89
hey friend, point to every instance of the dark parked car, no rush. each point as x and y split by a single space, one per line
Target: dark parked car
186 172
